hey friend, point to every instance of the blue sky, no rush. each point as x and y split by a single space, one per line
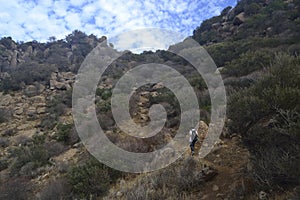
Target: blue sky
28 20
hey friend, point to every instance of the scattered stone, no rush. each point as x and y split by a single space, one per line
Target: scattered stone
77 145
119 194
24 126
220 195
208 173
38 99
19 111
68 75
58 85
215 188
158 86
154 94
31 111
41 110
262 195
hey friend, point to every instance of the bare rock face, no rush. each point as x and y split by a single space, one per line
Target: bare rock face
62 81
239 19
14 57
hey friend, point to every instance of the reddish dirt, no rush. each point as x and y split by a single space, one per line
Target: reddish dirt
230 160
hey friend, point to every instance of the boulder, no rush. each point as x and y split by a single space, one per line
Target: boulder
215 188
41 110
30 90
58 85
202 129
68 75
158 86
262 195
53 76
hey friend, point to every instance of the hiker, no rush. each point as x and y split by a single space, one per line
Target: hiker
193 140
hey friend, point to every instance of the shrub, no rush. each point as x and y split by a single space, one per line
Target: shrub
268 116
54 148
105 94
104 106
5 114
36 154
173 182
63 132
197 82
92 179
16 188
56 189
3 164
3 142
249 62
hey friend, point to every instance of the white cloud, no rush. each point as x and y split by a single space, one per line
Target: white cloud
77 2
26 20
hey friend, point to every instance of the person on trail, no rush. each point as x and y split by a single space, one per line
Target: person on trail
193 140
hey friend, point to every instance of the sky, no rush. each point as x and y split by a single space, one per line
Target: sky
27 20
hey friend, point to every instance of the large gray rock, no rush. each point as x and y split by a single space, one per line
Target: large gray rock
68 75
58 85
30 90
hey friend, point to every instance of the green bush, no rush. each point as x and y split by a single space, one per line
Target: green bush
56 107
63 132
104 106
35 154
92 179
38 73
5 114
249 62
105 94
267 115
197 82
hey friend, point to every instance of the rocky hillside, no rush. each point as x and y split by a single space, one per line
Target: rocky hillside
256 47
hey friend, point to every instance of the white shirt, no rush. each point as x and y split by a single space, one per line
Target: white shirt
191 134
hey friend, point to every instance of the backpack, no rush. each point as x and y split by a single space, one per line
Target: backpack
194 135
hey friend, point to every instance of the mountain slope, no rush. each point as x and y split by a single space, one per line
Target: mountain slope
255 45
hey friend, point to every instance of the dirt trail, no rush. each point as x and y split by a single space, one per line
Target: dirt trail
230 160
